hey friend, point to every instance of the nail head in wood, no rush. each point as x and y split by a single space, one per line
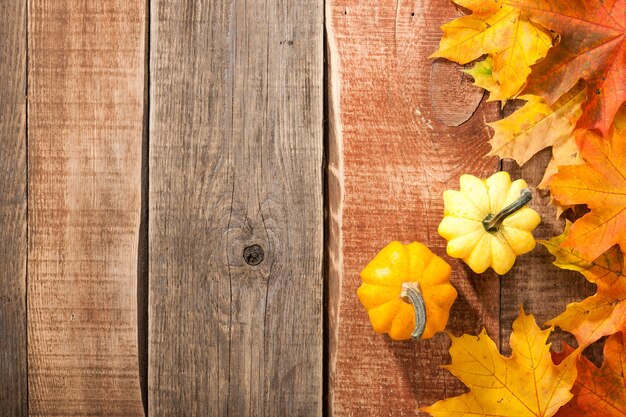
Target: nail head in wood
253 254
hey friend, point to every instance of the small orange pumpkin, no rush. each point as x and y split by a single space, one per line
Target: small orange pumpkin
406 291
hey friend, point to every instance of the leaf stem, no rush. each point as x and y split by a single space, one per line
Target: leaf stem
491 223
411 293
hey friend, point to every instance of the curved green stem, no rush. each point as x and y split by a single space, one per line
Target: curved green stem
411 293
491 223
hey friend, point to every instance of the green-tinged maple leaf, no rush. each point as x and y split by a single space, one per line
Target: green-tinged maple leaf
526 384
603 313
538 125
505 32
591 47
598 392
600 183
482 71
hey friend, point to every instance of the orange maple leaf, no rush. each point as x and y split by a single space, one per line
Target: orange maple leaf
527 384
592 46
598 392
600 183
603 313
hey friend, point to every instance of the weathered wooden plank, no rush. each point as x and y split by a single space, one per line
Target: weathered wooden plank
390 158
543 289
236 208
86 69
13 246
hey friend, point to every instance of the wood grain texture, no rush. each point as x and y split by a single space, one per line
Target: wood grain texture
86 68
534 282
390 159
13 246
452 108
236 161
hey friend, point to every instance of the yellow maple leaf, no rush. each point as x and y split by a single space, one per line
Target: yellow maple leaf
527 384
538 125
600 184
498 29
565 152
603 313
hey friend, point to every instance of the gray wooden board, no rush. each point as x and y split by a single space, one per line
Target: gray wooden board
236 145
13 249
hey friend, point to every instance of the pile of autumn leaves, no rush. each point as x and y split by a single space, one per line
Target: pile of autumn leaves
567 60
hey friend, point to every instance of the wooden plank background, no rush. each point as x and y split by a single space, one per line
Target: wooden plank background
396 156
13 204
188 193
403 129
85 113
236 208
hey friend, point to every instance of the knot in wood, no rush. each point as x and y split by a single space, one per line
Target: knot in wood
253 254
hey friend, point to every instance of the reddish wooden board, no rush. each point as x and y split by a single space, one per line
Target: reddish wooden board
86 86
393 151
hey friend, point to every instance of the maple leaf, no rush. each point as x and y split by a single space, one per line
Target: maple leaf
482 71
564 152
598 392
600 184
505 32
538 125
591 47
524 385
603 313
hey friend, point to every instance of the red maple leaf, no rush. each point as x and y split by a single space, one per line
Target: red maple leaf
592 46
598 392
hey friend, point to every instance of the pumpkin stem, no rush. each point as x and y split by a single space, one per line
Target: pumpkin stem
491 223
411 293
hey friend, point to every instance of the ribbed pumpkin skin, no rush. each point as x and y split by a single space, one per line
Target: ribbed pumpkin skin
462 226
381 287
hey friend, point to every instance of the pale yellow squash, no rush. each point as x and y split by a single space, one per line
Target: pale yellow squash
487 223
